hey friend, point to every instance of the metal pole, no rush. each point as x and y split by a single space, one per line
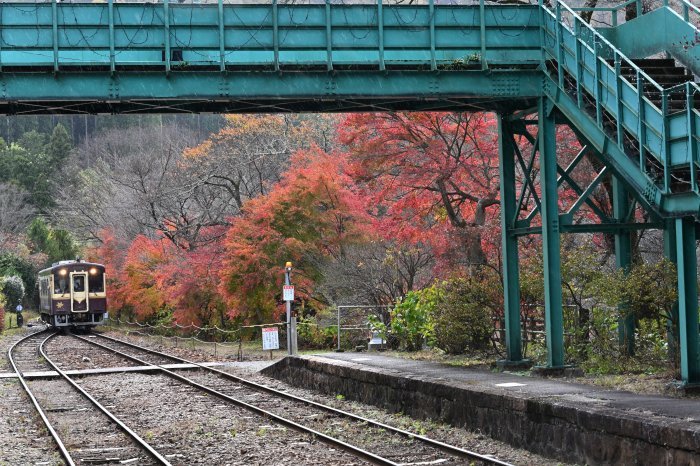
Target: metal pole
623 260
291 320
554 325
288 304
672 323
686 264
339 327
511 285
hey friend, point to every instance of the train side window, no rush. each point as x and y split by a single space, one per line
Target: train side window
96 283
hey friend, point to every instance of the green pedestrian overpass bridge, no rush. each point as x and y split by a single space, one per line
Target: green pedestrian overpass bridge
537 66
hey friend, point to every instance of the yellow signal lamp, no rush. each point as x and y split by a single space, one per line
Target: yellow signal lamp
62 272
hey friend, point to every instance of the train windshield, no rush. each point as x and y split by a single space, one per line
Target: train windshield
96 283
60 283
78 283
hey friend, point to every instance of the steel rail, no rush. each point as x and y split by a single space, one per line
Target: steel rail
123 427
359 452
447 448
62 448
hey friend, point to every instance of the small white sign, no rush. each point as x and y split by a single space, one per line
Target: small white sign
19 308
271 339
288 293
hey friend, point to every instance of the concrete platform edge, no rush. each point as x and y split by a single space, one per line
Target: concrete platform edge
555 428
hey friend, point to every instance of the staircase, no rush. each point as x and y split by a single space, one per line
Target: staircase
668 75
642 115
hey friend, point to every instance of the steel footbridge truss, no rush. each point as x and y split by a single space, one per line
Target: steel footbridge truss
538 66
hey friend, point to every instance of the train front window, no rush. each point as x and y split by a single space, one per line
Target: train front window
78 284
60 284
96 283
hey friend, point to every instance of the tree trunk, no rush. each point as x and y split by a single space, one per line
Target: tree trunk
587 15
583 333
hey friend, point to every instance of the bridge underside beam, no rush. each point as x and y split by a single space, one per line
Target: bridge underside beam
268 92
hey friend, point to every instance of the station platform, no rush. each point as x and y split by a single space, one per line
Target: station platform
569 421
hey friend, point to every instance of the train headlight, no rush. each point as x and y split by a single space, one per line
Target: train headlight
93 271
62 272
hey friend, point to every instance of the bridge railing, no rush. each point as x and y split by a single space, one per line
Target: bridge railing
689 12
686 139
616 90
220 35
611 15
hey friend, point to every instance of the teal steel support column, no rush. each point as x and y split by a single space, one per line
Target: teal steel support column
431 12
275 35
670 254
511 278
166 38
686 258
623 260
380 37
482 33
329 37
1 39
54 35
112 54
554 319
222 36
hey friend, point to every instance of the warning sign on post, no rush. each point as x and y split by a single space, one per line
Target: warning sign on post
288 293
270 337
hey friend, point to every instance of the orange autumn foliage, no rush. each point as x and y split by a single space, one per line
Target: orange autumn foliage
312 214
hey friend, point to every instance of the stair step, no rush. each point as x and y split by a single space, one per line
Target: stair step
654 62
664 81
669 70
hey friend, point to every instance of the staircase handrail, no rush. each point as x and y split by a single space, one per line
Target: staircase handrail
683 86
599 39
686 8
610 9
643 104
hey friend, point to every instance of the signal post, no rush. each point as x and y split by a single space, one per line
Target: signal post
288 296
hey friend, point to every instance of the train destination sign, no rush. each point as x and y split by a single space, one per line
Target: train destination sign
270 338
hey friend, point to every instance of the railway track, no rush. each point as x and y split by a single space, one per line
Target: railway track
387 445
84 430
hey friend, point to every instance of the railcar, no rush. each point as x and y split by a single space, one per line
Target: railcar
73 294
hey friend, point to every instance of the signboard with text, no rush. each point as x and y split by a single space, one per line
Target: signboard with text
288 293
270 338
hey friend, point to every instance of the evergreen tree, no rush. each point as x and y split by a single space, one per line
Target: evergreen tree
59 146
56 244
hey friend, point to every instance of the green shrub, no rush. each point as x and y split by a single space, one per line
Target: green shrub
312 336
13 289
410 320
12 264
462 314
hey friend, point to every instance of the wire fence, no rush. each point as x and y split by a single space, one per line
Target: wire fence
353 324
348 328
242 343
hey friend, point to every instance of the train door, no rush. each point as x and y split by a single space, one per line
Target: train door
79 301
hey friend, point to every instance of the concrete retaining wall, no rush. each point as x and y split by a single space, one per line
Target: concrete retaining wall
560 429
